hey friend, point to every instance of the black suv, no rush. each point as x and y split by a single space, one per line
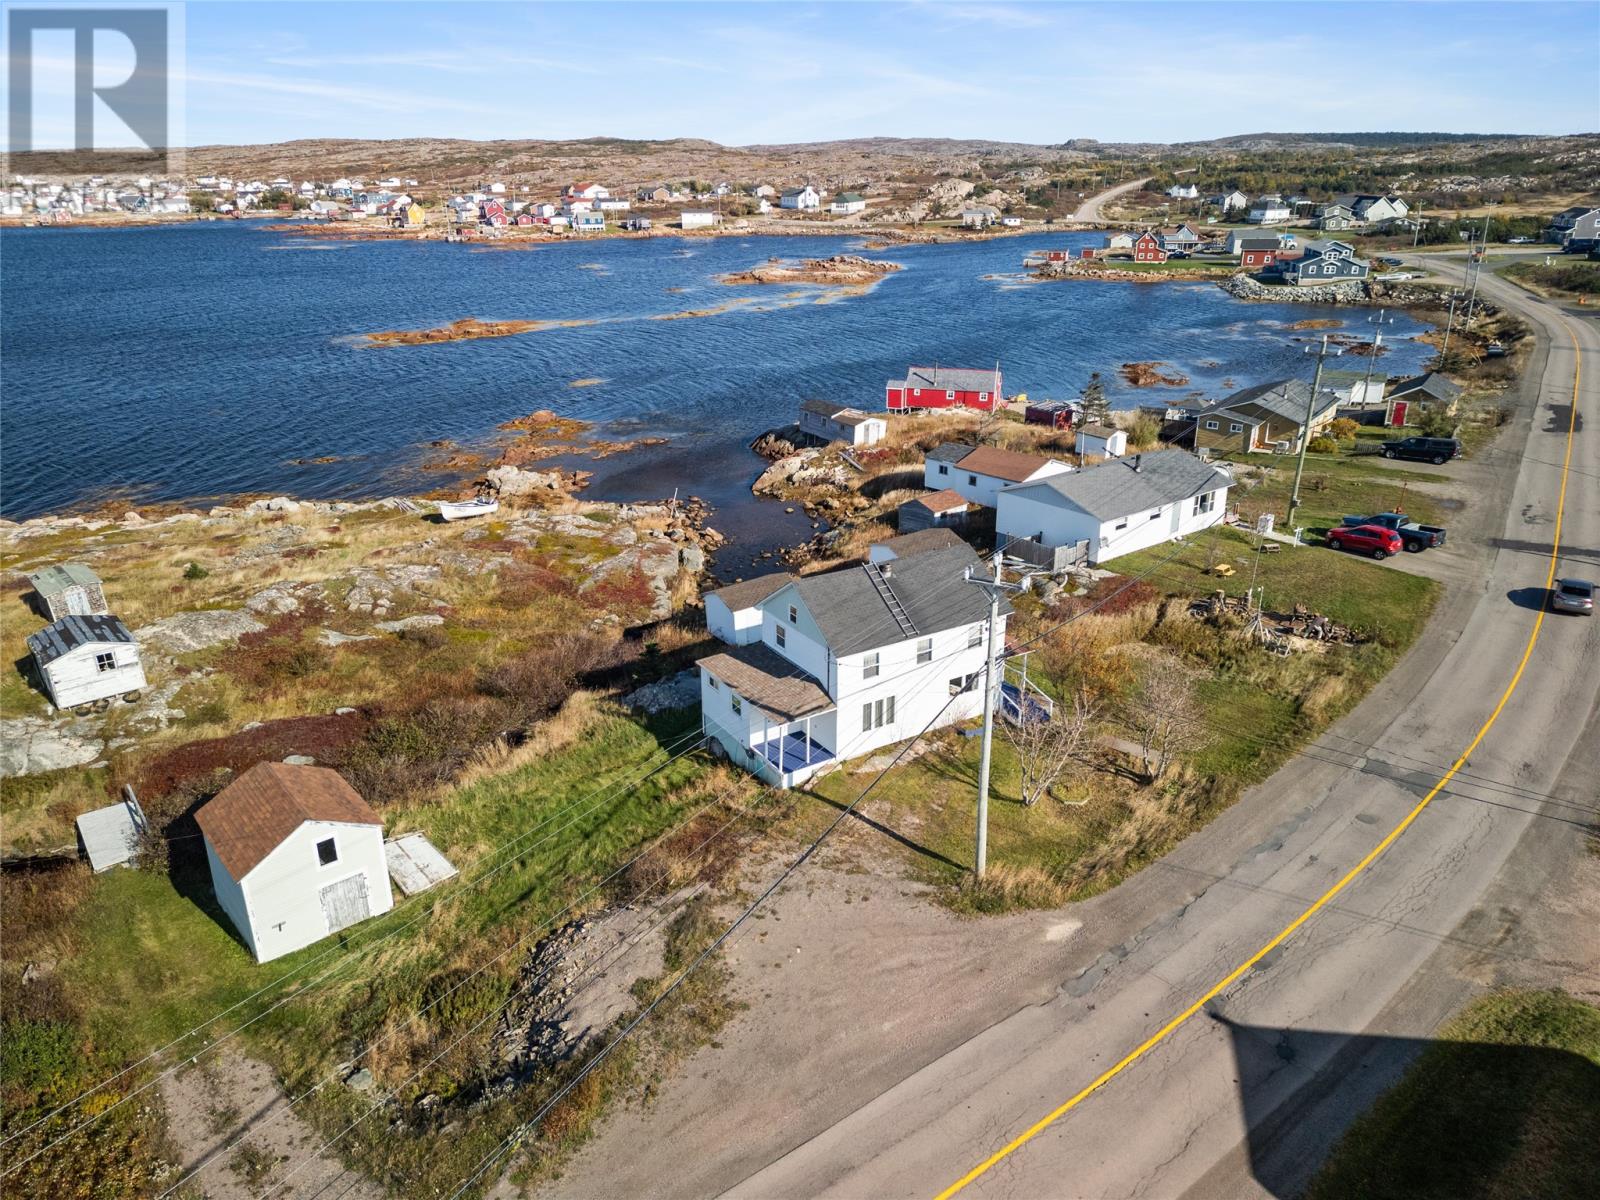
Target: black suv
1423 449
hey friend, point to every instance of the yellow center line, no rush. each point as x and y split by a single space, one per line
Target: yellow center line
1139 1051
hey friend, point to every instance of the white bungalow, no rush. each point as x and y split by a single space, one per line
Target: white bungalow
733 613
85 660
846 203
978 473
296 854
1103 440
1122 505
801 198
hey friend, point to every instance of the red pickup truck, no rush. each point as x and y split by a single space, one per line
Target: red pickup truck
1366 539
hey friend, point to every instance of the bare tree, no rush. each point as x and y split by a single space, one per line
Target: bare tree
1046 748
1164 715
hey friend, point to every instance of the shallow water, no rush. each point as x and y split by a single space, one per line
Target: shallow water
199 360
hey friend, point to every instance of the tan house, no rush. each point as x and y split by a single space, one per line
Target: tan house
1268 417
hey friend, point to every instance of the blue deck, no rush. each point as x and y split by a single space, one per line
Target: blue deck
795 752
1020 708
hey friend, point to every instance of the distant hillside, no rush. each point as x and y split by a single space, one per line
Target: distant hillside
1391 139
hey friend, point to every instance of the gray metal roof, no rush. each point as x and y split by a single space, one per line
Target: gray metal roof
110 836
58 577
1260 243
1123 486
67 634
953 379
930 587
1284 398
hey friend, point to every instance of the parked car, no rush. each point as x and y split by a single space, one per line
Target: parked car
1494 350
1415 537
1436 450
1179 254
1518 241
1365 539
1573 596
1392 262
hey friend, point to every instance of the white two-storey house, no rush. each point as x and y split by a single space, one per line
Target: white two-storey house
852 660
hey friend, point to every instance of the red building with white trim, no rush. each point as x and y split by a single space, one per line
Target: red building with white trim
944 387
1147 247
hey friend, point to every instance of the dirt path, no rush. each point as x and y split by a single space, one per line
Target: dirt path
206 1107
1089 212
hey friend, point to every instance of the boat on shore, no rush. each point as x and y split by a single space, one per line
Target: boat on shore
454 510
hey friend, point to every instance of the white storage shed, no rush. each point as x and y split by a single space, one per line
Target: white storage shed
85 660
296 855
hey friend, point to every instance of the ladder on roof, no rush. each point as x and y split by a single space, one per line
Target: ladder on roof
896 609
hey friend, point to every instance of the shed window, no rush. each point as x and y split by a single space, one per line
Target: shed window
327 852
925 650
983 395
105 661
949 395
783 636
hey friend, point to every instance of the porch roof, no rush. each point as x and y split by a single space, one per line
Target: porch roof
769 681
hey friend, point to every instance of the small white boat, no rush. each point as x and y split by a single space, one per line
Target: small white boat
459 510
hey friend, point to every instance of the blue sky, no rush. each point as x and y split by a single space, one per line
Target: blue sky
739 73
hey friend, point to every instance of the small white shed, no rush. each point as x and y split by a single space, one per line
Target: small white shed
1102 440
733 613
697 220
837 423
85 660
295 854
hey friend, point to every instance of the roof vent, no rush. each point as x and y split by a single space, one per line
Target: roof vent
1136 459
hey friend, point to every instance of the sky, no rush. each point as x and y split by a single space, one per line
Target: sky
795 71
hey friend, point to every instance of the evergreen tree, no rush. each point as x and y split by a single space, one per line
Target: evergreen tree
1096 408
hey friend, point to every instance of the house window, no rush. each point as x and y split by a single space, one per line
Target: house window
1211 424
105 661
875 714
712 680
738 704
949 395
975 634
783 636
327 852
925 651
964 683
869 665
983 395
1122 524
944 468
1205 503
794 615
972 481
1156 516
1235 427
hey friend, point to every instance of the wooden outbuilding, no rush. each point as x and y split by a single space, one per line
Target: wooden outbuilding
68 590
82 661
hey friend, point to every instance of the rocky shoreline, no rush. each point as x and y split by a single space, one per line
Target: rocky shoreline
841 270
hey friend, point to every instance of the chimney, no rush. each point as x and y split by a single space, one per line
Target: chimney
1136 459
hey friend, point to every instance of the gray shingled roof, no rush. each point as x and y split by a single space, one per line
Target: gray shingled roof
823 408
67 634
1285 398
950 452
58 578
748 593
923 541
950 379
1260 243
1432 384
931 589
1122 486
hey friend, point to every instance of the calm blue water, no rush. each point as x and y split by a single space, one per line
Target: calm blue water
199 360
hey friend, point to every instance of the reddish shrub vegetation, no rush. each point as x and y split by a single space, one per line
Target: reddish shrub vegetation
320 737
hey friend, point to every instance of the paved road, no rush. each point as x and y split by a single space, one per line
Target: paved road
1089 211
1202 1111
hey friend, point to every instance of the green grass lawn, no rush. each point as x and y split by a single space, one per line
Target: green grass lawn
1332 487
1567 278
1506 1103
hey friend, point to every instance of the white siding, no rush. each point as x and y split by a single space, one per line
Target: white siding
230 897
1022 516
736 628
282 893
75 679
976 487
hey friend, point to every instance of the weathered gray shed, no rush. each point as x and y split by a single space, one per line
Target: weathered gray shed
85 660
415 863
68 590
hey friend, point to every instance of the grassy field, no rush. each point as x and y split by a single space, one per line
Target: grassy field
1506 1103
1568 278
1333 486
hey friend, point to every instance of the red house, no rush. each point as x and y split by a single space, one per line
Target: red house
524 219
1259 252
944 387
1147 248
492 212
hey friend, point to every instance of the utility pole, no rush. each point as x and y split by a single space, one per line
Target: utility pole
1449 324
1477 269
991 685
1323 353
1377 344
1417 233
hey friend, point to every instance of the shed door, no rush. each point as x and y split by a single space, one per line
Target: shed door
77 601
345 903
